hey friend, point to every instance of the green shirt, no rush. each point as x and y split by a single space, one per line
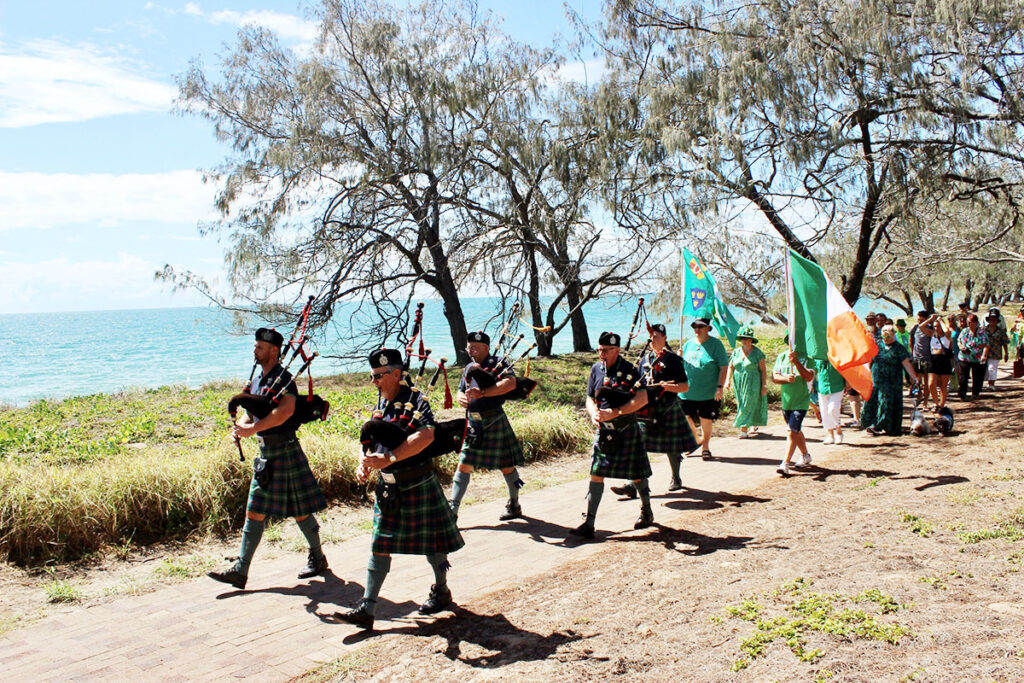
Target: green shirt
795 395
703 363
829 379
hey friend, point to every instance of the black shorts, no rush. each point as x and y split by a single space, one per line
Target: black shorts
708 410
940 364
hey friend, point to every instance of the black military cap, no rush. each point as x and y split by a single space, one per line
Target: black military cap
608 339
384 357
479 336
269 335
706 322
660 329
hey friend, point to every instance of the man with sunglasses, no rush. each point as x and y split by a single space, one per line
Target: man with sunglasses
490 442
420 523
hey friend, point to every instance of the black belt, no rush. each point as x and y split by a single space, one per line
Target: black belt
403 476
275 439
623 421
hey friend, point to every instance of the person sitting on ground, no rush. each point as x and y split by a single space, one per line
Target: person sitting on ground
792 373
748 377
883 412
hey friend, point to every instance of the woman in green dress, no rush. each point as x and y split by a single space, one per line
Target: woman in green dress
748 376
883 412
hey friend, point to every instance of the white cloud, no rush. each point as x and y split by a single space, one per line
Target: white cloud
61 284
47 200
589 72
287 26
45 81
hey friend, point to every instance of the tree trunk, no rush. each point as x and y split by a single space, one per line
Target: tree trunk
580 336
450 296
542 337
968 287
945 297
927 299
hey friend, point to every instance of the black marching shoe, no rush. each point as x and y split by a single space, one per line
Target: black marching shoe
675 485
645 519
512 511
627 490
314 566
359 616
585 530
439 599
235 578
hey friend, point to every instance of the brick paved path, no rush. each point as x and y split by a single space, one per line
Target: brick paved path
279 626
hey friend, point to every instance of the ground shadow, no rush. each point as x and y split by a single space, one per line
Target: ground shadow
745 460
327 589
698 499
506 642
823 473
695 543
941 480
538 529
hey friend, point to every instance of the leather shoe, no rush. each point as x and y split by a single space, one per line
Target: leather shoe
314 566
627 490
359 616
585 530
512 511
235 578
645 519
675 485
439 599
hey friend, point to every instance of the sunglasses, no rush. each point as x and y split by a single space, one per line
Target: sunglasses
377 375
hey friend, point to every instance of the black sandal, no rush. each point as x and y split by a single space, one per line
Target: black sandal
706 455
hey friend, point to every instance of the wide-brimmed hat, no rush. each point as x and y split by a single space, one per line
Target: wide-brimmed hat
746 332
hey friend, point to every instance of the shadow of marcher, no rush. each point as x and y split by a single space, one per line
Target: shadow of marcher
329 590
823 473
747 460
539 530
506 642
941 480
701 544
707 500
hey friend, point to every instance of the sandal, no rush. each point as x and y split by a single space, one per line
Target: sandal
706 455
743 435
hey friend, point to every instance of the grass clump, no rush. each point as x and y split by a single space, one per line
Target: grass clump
919 525
796 611
1011 528
58 591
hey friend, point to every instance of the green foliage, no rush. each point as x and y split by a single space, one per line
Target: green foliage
918 525
1011 528
806 611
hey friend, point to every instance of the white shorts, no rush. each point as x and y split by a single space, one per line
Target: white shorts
993 368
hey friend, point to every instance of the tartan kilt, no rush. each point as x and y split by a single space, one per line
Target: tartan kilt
498 446
630 463
423 525
293 491
669 432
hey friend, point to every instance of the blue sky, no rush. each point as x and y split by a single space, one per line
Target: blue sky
100 181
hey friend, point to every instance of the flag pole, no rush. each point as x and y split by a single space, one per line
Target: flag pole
790 304
682 294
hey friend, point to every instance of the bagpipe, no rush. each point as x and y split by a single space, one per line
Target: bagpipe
499 365
392 433
308 408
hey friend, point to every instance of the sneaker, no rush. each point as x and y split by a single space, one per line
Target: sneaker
512 511
828 440
314 566
645 519
839 439
783 469
359 616
627 490
675 485
235 578
585 530
439 599
743 435
805 462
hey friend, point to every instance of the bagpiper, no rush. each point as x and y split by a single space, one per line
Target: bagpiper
410 513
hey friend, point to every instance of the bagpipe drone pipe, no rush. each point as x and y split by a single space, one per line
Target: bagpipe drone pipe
308 408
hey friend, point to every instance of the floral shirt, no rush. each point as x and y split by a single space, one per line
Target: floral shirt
997 340
972 345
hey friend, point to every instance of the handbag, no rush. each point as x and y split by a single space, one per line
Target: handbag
1018 368
609 440
389 498
263 471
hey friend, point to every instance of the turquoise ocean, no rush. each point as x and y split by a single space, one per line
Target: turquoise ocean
56 355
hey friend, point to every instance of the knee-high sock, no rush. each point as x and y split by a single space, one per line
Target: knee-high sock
376 569
460 483
674 461
594 499
513 482
439 563
311 530
252 532
644 489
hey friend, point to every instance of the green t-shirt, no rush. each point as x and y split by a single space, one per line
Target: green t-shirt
795 395
829 379
703 363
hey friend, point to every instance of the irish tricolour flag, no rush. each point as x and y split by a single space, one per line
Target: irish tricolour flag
822 325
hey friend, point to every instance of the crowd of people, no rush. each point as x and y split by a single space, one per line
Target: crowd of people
667 403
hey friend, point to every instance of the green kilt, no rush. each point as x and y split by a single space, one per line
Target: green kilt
498 446
293 491
668 431
629 463
423 525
